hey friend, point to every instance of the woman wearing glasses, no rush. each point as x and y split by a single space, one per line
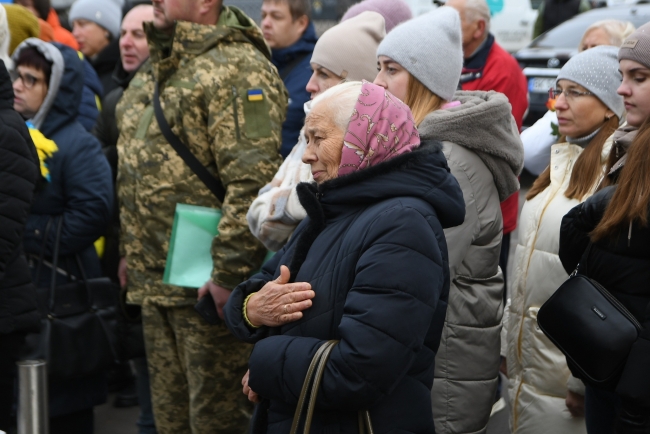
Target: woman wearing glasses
544 394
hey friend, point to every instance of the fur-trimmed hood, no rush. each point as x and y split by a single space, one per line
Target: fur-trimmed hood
483 123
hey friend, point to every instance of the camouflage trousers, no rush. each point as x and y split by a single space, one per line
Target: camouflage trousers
195 371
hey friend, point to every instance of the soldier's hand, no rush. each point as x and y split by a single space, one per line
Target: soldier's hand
279 302
252 396
219 295
121 272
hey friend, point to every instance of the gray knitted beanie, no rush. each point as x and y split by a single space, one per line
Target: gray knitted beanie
348 49
636 47
105 13
597 71
429 48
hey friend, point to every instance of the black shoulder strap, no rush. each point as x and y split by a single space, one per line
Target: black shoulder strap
213 184
292 65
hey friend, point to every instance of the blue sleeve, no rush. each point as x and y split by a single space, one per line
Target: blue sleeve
88 200
387 315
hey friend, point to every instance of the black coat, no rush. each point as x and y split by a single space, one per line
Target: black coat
18 176
622 266
104 64
374 251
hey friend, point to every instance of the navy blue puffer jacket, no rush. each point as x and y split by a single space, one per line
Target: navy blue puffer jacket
374 252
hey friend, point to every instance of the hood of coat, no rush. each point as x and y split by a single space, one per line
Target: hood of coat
61 104
305 44
422 173
6 89
482 123
190 40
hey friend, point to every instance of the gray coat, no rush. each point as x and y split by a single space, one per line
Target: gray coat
485 155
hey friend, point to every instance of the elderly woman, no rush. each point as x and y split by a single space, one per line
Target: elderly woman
370 269
544 396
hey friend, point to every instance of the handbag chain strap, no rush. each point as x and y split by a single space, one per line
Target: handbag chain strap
313 378
585 260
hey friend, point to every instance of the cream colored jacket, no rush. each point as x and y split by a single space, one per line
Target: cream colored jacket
537 370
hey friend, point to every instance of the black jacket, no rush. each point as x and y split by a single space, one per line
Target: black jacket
622 265
104 64
374 251
18 176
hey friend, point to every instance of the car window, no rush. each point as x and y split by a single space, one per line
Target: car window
569 33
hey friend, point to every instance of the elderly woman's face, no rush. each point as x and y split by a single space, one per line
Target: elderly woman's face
578 112
324 144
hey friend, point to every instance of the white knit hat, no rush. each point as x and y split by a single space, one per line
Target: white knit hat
430 48
348 49
105 13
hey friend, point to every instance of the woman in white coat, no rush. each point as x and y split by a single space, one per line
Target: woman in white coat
544 400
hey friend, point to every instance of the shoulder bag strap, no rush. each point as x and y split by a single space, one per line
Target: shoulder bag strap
55 264
213 184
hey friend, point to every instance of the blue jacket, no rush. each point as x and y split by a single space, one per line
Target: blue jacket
80 192
374 251
295 82
92 93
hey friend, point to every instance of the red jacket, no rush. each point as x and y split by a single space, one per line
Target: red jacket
493 68
60 33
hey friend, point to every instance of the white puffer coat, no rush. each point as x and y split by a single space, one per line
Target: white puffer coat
537 370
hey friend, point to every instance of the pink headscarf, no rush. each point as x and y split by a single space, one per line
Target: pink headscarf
380 128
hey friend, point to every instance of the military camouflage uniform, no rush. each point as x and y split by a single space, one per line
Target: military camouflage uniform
205 74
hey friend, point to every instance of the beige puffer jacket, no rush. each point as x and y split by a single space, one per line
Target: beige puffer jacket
537 370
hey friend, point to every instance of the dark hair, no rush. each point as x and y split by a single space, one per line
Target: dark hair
30 56
298 8
41 6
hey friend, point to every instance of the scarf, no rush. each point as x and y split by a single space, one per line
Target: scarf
380 128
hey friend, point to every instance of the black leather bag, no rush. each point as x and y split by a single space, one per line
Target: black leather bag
79 319
591 327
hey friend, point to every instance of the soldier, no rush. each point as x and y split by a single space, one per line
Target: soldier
223 98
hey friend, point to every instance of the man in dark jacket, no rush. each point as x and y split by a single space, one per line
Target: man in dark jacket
18 177
552 13
288 30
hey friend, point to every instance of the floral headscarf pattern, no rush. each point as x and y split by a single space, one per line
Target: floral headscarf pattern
380 128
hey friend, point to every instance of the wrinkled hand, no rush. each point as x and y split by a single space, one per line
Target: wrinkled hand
252 396
575 403
219 295
121 273
279 302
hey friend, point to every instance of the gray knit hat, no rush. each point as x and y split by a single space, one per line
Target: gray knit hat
348 49
105 13
597 71
429 48
636 47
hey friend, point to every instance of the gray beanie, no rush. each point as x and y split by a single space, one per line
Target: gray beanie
636 47
348 49
105 13
429 47
597 71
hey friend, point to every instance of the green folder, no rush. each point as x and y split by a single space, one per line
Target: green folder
189 261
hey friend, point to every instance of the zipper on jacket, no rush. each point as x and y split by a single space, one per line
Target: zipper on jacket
235 96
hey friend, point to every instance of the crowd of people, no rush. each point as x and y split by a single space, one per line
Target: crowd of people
380 162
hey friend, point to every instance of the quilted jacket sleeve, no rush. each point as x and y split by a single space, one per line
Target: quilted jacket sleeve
388 310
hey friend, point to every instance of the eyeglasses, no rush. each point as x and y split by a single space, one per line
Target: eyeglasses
569 94
29 81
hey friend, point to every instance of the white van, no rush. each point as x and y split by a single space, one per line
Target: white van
512 21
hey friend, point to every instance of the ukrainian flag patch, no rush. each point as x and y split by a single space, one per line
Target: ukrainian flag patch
255 95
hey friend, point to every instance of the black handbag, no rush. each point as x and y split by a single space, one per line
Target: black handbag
591 327
78 321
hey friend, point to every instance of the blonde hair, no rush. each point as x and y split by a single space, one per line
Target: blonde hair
616 30
421 100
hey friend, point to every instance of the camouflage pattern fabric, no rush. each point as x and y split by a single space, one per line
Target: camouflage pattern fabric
224 99
195 372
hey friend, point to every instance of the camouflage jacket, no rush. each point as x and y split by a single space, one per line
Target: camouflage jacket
206 76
